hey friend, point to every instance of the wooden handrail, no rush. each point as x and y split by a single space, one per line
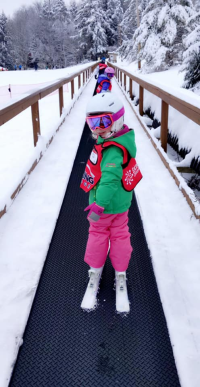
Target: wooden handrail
190 111
9 112
31 100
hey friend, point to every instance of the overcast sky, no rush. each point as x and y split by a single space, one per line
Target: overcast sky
10 6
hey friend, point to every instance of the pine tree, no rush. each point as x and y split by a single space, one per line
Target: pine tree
142 6
128 27
59 11
91 28
96 30
81 28
60 30
114 17
47 32
73 9
191 56
5 43
197 5
161 31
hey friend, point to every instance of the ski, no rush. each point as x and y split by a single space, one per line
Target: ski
89 301
122 301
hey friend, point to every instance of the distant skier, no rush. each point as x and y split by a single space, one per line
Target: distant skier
35 66
104 80
15 67
20 67
110 176
100 68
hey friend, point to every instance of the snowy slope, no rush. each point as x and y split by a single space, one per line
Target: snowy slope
17 152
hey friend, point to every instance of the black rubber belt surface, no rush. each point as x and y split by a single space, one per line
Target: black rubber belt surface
67 347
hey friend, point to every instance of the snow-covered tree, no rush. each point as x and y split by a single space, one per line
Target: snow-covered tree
114 17
96 29
59 10
191 55
73 9
142 6
161 31
81 28
197 4
128 27
5 43
60 31
91 28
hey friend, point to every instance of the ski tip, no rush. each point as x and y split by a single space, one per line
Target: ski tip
89 306
123 308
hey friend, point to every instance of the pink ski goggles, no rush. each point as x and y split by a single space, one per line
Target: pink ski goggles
103 121
110 75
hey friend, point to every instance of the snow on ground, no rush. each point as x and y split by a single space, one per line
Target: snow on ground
17 152
187 131
26 231
173 237
172 233
26 81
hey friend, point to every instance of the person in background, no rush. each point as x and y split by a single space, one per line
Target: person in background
20 67
15 67
104 80
100 68
36 66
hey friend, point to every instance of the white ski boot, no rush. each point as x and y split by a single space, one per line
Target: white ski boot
90 297
122 302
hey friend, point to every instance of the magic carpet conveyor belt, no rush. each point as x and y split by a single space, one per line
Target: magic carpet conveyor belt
67 347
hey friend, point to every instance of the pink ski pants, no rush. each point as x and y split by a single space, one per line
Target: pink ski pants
113 228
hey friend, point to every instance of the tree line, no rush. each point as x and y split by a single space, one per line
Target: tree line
163 33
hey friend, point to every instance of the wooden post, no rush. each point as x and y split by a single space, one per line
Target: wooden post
72 88
141 97
164 125
61 102
36 122
125 82
79 81
83 77
121 78
131 88
139 61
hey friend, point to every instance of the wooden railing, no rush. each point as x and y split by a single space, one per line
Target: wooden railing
167 99
31 100
188 110
16 108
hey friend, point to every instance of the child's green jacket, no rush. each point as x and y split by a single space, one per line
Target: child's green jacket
109 192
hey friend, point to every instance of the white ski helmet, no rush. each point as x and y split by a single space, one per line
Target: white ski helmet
107 103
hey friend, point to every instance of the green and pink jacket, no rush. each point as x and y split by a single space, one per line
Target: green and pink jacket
110 172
